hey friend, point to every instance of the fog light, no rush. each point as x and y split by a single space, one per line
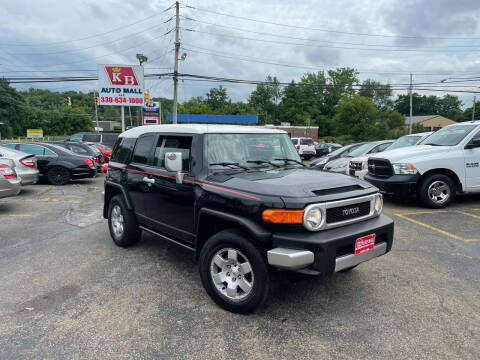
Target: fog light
378 204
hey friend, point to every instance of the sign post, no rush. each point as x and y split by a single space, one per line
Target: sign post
121 85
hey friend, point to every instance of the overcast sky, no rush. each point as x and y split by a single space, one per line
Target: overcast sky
383 39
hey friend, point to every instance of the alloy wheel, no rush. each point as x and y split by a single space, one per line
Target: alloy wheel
438 192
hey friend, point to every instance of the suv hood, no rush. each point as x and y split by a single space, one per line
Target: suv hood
288 182
409 154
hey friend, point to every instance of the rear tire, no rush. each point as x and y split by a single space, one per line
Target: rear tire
234 272
58 175
122 223
437 191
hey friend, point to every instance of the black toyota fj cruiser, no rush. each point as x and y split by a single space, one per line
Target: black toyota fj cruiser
241 200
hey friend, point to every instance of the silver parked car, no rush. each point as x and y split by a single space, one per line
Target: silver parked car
10 183
25 164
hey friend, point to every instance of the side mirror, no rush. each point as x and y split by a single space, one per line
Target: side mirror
475 143
173 162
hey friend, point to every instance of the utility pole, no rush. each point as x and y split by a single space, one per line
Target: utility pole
410 125
175 71
473 108
96 111
123 118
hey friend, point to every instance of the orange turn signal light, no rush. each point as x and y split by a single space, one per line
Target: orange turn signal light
283 216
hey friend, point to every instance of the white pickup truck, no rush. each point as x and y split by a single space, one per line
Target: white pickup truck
447 162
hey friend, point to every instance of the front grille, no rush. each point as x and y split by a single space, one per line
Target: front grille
379 167
347 212
355 165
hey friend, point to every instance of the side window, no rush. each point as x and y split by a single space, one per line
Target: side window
379 148
10 146
92 137
76 137
143 148
122 150
476 136
49 152
165 144
31 149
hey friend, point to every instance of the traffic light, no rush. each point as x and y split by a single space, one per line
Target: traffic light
147 96
69 101
97 100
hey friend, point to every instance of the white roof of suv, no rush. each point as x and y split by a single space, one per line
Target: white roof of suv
199 129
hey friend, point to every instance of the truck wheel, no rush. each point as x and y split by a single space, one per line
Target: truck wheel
234 272
122 223
437 191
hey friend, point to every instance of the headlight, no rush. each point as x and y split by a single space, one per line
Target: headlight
313 218
378 204
364 165
404 169
340 165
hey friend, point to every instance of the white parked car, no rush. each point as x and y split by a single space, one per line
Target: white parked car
358 166
305 147
447 162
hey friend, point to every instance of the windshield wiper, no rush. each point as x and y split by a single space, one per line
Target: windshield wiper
291 160
263 162
433 144
230 164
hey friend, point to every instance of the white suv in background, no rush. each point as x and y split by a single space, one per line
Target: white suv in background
305 147
358 166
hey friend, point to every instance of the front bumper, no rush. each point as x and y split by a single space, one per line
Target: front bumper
331 250
397 187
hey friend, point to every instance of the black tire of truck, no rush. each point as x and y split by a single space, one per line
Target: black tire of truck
122 223
437 191
261 278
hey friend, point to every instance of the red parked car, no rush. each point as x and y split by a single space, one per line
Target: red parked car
106 151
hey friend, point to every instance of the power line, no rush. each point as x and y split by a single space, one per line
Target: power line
92 36
319 46
329 30
326 41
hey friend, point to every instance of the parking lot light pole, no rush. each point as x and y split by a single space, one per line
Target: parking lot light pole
410 125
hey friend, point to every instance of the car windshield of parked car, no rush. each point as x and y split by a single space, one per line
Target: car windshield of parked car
241 148
339 151
449 136
404 141
361 150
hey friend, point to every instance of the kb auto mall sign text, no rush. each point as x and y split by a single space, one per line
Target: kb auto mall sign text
120 85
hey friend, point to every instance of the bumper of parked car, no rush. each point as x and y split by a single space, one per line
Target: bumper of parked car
10 187
397 187
83 173
29 178
332 250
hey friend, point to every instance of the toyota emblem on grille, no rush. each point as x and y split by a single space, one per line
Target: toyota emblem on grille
351 211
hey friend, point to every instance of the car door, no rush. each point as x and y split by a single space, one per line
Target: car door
43 160
138 178
170 206
472 166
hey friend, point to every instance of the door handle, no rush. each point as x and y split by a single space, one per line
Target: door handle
148 180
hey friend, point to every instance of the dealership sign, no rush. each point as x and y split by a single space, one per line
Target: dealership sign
34 133
151 114
120 85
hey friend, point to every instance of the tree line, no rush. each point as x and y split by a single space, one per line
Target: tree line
343 108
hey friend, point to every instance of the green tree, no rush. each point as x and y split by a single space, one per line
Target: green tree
265 98
216 98
14 111
379 93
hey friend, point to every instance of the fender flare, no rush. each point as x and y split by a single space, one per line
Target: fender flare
255 230
126 198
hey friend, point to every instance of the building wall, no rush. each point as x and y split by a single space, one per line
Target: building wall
300 131
436 123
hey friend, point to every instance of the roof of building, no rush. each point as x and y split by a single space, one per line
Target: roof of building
421 119
199 129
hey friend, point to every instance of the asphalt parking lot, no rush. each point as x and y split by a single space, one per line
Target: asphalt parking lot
68 292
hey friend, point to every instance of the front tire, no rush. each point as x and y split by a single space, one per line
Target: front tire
234 272
437 191
122 223
58 175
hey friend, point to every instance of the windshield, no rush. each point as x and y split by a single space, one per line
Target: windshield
449 136
361 150
242 148
306 142
404 141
